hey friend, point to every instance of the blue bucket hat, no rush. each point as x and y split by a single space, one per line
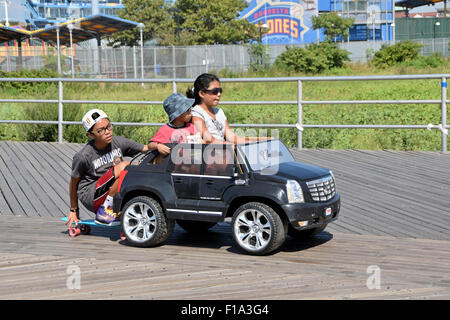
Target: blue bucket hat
176 104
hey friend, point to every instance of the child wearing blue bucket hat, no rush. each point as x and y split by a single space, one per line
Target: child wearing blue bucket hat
179 129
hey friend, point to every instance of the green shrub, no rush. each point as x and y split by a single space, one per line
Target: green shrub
435 60
28 87
314 58
259 58
49 132
390 55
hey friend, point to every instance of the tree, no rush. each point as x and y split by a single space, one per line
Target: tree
333 24
213 22
157 20
186 22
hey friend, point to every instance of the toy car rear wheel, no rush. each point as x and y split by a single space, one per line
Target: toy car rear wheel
195 226
257 228
144 223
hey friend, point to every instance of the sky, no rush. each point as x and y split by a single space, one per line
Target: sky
16 10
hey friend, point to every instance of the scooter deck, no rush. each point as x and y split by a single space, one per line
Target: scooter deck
91 222
83 227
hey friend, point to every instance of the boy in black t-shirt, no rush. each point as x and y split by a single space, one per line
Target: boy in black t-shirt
96 167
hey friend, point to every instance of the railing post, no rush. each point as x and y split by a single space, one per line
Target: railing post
299 114
174 86
444 113
60 111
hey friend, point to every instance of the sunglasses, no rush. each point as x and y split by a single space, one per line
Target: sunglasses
214 91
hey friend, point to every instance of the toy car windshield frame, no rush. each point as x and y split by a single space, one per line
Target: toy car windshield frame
260 155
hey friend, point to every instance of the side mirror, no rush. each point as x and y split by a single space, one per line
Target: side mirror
241 179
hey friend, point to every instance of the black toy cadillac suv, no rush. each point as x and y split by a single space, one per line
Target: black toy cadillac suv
259 185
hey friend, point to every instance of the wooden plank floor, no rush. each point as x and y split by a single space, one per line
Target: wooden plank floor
385 193
395 216
38 258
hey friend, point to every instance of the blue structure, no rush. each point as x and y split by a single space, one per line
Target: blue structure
373 19
41 13
290 21
287 21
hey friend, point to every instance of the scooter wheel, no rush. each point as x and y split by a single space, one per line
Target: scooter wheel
85 229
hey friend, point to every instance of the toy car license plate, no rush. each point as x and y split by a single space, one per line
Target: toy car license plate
327 212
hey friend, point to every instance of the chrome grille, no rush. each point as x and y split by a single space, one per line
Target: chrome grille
322 189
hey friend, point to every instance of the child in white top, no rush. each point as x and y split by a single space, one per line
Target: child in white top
217 125
209 120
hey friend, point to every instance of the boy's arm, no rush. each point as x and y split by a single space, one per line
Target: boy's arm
158 140
73 216
162 148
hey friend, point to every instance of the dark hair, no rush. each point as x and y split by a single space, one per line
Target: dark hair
201 83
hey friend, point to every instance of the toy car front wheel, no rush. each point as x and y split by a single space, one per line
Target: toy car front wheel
257 228
144 223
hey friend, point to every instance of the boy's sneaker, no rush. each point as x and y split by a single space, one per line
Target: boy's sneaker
106 216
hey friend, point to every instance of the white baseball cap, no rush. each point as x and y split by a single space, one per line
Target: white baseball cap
92 117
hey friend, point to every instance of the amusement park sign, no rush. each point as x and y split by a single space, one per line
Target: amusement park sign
286 22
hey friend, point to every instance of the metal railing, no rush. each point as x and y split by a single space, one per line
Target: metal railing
300 102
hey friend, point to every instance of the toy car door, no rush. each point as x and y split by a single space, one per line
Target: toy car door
218 174
187 161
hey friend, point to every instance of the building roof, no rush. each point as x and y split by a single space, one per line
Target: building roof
415 3
87 28
92 27
12 33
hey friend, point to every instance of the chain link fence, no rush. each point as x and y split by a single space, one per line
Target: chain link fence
169 62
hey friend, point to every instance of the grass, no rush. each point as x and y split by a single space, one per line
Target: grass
401 139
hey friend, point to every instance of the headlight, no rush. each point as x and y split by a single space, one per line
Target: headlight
334 179
294 192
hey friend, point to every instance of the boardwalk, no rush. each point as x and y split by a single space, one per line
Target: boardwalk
37 255
395 216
